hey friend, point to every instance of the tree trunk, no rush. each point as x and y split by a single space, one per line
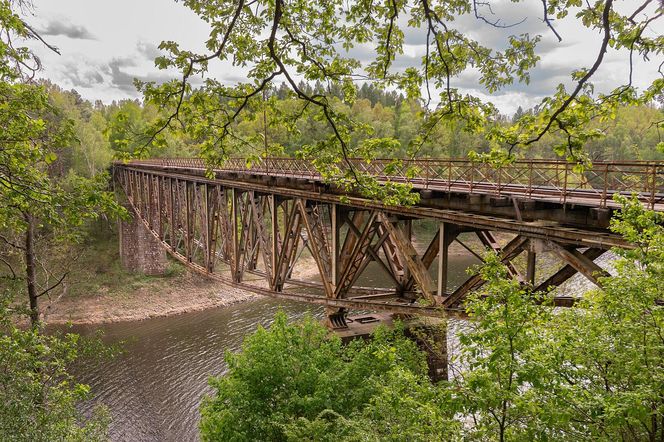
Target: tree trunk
30 269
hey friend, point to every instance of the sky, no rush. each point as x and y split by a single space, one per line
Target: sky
105 44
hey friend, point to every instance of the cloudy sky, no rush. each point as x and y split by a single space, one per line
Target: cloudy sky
105 45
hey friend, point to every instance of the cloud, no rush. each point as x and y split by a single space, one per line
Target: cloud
77 32
82 77
149 50
123 80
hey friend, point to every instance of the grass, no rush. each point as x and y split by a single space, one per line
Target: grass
98 270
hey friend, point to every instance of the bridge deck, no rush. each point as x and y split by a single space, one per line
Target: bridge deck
542 180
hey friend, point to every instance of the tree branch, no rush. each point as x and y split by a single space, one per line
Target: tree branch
547 20
606 25
45 291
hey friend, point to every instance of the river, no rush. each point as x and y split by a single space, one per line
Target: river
153 390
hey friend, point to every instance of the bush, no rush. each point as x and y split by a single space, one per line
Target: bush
298 382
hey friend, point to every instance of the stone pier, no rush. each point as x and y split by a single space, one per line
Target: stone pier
140 251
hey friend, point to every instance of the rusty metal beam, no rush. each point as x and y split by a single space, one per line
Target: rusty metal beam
580 262
202 221
372 254
264 242
413 261
353 263
558 233
318 246
507 253
288 248
489 240
567 271
531 261
335 224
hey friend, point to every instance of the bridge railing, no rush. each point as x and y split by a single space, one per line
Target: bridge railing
538 178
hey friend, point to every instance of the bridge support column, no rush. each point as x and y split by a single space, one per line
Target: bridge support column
139 250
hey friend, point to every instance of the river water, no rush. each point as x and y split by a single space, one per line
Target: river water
153 390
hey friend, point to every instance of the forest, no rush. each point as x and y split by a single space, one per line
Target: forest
104 132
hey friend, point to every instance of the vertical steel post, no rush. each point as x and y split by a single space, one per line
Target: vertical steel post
189 227
160 209
274 225
442 260
530 269
334 220
236 244
173 221
606 186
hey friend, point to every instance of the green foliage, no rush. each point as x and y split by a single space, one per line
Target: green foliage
593 372
613 378
497 384
41 201
38 395
297 382
281 41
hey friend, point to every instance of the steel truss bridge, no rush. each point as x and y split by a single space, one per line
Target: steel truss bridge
249 226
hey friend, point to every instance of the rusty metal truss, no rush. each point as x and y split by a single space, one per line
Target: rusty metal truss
254 229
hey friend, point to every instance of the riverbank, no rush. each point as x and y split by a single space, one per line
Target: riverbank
173 296
99 291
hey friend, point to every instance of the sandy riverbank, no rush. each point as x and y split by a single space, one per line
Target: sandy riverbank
188 293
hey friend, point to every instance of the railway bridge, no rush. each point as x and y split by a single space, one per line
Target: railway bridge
253 226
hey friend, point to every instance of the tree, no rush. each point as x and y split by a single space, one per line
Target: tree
523 370
39 203
38 396
287 41
497 371
588 373
37 200
608 365
298 382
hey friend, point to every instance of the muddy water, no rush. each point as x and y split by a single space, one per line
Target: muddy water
154 389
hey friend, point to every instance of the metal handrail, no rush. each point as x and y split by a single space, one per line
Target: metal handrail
553 180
